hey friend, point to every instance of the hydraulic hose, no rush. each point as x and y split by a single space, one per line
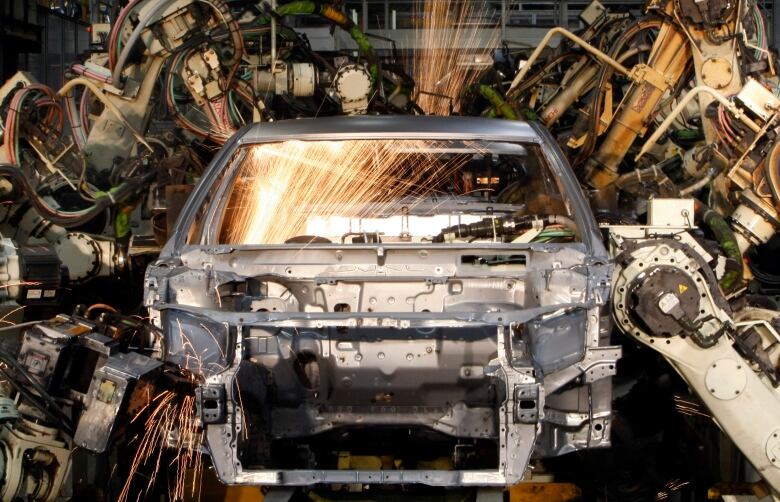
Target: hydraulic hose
335 16
69 219
496 100
654 172
135 36
732 277
494 227
116 31
529 83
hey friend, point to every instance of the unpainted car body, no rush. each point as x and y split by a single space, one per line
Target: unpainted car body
408 350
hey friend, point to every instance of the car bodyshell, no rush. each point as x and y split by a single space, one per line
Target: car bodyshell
540 412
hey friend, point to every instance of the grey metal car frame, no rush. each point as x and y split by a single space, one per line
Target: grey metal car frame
537 412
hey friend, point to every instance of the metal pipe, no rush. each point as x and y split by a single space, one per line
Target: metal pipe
583 81
569 94
604 58
683 103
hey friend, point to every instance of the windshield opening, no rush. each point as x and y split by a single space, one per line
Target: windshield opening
372 191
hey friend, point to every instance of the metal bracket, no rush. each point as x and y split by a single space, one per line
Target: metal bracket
210 402
600 362
527 403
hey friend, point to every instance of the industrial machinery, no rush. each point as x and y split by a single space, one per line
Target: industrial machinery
367 301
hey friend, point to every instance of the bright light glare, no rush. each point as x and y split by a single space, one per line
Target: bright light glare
291 188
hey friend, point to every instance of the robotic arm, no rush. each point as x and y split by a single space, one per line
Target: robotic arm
666 297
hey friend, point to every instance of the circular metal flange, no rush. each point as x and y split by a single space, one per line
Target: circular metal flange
662 291
773 448
642 261
726 379
353 83
717 72
81 253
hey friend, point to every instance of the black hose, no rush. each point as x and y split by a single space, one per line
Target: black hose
518 92
69 219
493 227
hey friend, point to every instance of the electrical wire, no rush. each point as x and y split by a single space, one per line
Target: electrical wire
83 111
70 219
46 99
116 33
51 408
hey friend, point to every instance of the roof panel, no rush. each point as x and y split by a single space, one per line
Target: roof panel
398 126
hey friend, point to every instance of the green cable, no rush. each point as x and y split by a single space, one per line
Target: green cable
233 109
728 242
122 224
547 235
497 101
17 149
